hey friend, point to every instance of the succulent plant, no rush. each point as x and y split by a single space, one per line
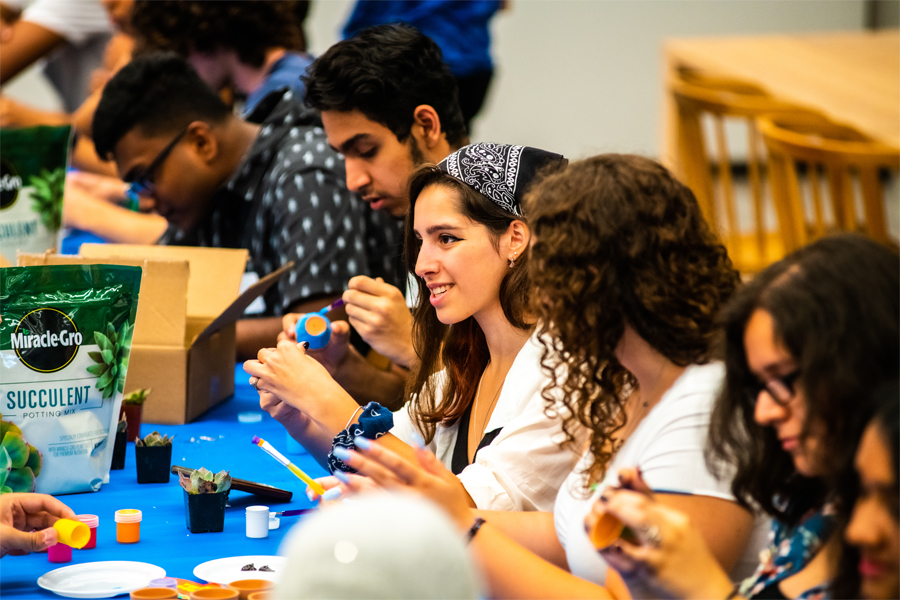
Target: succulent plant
123 424
154 439
111 363
20 462
136 397
48 194
202 481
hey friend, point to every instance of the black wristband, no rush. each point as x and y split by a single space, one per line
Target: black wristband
474 529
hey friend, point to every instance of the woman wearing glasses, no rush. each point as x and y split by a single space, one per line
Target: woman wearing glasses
807 341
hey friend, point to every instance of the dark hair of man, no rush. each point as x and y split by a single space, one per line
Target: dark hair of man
459 348
618 240
385 72
836 309
248 28
160 93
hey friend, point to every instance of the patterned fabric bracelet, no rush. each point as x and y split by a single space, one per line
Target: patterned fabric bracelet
374 422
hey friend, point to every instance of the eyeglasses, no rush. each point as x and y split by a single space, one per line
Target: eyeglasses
143 182
781 389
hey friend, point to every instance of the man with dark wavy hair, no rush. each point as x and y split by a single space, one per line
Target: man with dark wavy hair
388 103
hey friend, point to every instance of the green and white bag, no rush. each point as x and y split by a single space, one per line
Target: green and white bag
32 186
65 340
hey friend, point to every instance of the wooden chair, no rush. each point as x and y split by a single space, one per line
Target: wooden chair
752 246
816 167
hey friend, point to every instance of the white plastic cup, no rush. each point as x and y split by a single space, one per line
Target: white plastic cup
257 521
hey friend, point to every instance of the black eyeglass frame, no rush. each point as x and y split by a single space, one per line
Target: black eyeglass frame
783 392
142 183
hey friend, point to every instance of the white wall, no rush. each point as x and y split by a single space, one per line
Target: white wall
584 76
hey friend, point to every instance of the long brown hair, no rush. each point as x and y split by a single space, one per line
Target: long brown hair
459 348
618 240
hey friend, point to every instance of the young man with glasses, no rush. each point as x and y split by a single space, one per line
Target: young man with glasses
276 188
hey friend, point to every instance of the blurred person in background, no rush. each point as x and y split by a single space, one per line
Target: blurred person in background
874 527
251 48
460 28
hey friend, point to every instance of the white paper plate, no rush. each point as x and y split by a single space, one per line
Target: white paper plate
226 570
103 579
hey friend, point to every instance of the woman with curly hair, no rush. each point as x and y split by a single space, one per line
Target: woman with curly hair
807 342
629 279
475 394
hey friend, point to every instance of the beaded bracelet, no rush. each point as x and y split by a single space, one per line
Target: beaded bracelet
374 422
474 529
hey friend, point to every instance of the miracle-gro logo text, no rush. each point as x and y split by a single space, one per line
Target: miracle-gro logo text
46 340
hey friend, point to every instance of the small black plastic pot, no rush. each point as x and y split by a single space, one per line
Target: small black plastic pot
153 463
205 513
118 457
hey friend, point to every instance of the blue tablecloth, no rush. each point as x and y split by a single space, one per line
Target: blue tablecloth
165 540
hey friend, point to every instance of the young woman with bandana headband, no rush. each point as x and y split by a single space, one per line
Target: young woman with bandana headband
629 280
475 396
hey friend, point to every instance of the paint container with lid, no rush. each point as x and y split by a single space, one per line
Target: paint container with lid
92 522
128 526
257 521
59 553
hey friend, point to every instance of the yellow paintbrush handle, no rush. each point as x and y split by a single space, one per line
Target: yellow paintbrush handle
306 479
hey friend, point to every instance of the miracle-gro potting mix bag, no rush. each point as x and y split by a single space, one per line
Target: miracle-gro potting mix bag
65 339
32 185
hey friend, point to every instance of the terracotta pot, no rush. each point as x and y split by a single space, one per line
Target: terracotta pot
245 587
133 412
205 513
153 463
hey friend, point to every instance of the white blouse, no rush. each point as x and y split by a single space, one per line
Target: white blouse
668 447
524 466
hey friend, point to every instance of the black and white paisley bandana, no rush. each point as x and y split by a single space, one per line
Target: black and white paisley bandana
500 172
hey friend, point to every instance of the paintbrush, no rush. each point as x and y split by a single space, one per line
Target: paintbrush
258 441
333 306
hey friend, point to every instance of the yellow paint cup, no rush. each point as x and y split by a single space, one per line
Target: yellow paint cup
72 533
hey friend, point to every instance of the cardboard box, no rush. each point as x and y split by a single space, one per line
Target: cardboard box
184 335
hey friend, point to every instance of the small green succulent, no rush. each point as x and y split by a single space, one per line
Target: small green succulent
20 462
202 481
154 439
123 424
136 397
49 188
111 363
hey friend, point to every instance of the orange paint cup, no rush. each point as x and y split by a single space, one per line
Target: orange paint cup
245 587
261 596
214 594
128 526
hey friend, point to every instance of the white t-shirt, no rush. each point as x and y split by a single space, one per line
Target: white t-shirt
668 447
86 29
524 466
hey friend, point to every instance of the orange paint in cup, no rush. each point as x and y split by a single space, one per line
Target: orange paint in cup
128 526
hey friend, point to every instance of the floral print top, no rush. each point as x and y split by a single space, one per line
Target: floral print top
789 550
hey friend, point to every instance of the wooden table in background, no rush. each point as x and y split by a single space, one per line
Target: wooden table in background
851 77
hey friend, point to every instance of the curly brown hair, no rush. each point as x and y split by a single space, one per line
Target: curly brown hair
618 240
460 348
248 28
